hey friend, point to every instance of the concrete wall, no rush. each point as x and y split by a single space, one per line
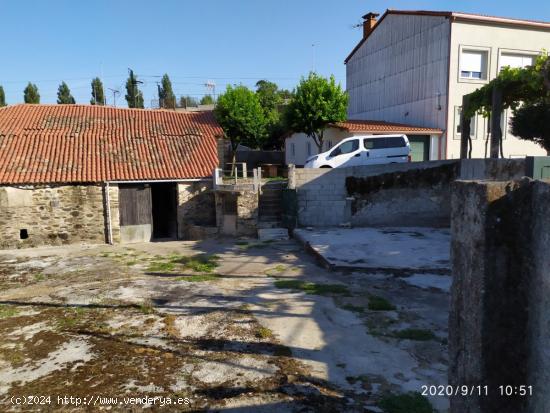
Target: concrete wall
52 215
498 326
323 198
411 194
400 73
495 40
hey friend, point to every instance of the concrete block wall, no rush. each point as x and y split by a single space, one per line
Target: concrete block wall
51 215
500 305
323 200
321 193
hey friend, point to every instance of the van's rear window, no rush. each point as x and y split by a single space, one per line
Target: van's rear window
381 143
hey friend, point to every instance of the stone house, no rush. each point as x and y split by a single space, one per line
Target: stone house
94 174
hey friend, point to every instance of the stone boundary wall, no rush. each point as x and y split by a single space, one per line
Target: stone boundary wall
196 208
323 200
51 215
500 297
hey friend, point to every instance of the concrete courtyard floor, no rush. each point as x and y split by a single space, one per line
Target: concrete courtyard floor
234 325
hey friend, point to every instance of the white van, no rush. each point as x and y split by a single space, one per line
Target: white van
364 150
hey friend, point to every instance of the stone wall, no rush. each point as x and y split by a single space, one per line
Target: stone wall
237 212
422 200
115 214
51 215
323 199
196 208
500 298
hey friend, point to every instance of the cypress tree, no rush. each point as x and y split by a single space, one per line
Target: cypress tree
30 94
2 97
98 94
64 95
134 97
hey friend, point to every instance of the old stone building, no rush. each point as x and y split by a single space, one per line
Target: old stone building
78 173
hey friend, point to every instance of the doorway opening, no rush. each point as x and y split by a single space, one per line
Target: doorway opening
164 210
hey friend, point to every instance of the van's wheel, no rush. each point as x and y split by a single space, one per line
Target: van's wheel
326 166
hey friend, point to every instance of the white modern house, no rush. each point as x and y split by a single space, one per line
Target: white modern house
414 67
298 147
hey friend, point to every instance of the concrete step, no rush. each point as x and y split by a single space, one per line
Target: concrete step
272 234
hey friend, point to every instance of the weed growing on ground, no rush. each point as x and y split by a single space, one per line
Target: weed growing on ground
39 277
417 334
146 307
158 266
275 270
282 351
377 303
198 278
200 263
354 308
312 288
8 311
264 332
412 402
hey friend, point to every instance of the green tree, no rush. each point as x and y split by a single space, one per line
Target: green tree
98 94
2 97
272 101
188 101
207 100
30 94
167 99
133 96
241 117
526 91
317 103
64 95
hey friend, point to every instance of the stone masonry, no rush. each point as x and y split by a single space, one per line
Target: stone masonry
195 207
51 215
500 298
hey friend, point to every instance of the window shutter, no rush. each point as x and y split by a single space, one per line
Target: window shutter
471 61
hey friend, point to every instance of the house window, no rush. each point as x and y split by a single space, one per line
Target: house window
308 148
515 61
473 64
293 150
458 125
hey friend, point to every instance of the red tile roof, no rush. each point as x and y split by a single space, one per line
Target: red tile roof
376 127
536 24
83 143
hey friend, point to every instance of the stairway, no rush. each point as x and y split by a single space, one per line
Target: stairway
270 205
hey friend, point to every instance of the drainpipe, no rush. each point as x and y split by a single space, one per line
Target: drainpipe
108 213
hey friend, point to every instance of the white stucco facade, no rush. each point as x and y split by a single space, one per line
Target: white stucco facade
409 70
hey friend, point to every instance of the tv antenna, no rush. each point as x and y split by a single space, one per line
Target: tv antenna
115 92
211 86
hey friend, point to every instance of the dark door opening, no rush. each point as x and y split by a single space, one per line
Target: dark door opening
164 200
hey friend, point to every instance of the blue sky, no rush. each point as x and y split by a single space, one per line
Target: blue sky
227 41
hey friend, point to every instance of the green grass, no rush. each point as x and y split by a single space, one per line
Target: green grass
377 303
354 308
312 288
198 278
8 311
412 402
146 308
264 332
39 277
161 266
200 263
417 334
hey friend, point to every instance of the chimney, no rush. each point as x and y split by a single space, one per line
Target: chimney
369 21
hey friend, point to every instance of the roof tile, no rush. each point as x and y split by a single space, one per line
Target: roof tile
82 143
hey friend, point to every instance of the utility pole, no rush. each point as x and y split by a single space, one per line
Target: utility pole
134 84
114 95
211 85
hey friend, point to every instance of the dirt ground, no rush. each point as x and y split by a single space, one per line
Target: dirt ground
232 325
